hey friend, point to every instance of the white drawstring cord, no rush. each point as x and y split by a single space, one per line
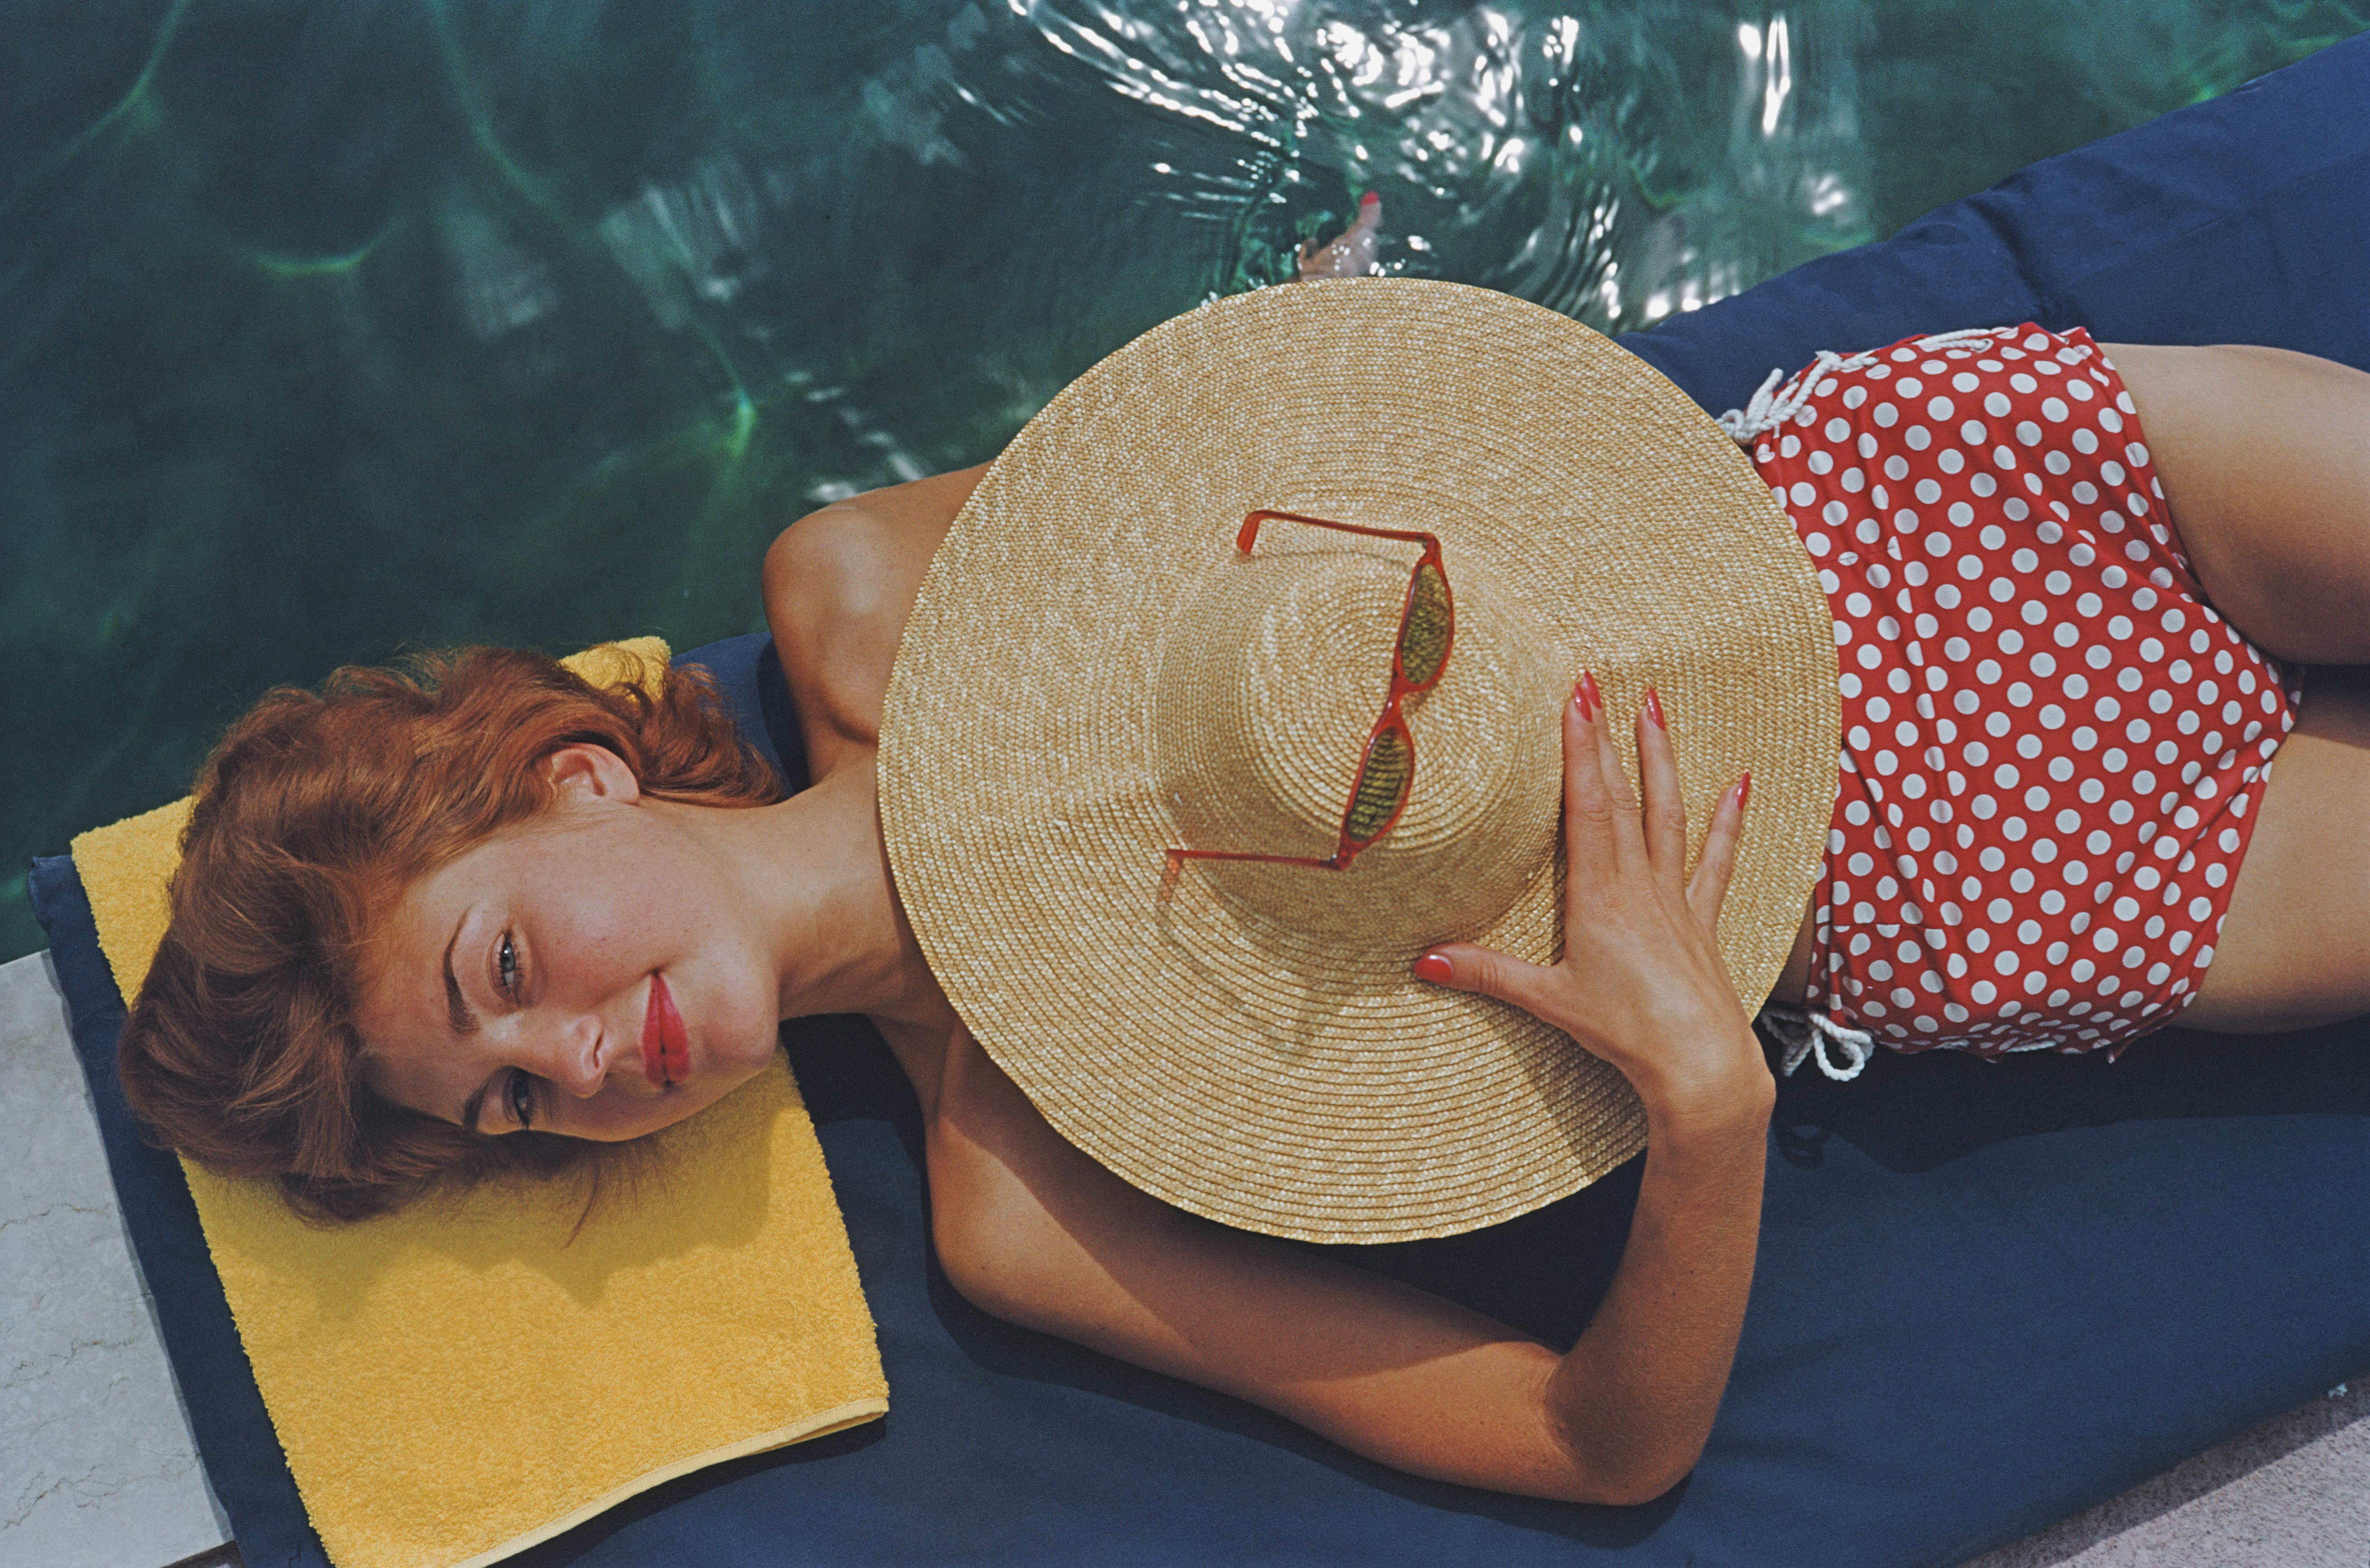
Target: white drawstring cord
1772 405
1806 1034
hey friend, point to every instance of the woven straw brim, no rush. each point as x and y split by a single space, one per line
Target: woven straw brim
1246 1042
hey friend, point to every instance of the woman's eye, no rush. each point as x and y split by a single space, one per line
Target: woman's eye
506 965
521 1096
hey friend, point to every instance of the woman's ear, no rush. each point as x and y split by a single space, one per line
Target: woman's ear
585 771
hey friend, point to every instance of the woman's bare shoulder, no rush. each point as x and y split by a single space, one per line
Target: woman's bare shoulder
838 586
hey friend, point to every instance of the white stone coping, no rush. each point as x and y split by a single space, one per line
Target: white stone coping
98 1467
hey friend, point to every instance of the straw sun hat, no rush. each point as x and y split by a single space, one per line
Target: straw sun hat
1094 674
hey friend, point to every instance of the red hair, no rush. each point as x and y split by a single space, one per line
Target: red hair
311 817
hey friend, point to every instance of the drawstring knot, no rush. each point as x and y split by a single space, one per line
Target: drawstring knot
1807 1035
1772 405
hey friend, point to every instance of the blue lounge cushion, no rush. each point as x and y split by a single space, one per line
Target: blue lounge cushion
1988 1295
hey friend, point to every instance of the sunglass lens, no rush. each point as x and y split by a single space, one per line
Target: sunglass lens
1423 643
1382 786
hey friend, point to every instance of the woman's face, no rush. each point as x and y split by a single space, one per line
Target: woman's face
594 972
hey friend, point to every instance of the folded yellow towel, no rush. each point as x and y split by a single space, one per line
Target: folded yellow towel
457 1381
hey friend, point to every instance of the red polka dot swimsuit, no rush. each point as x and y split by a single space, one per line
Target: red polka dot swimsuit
2053 747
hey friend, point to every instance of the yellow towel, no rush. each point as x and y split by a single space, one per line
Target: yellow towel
457 1381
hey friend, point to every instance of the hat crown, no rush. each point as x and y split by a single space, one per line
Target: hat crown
1273 669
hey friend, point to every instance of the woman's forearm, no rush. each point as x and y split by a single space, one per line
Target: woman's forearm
1634 1397
1642 984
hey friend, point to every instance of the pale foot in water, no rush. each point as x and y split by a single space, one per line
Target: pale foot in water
1352 254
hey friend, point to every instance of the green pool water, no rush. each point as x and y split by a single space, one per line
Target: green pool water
330 329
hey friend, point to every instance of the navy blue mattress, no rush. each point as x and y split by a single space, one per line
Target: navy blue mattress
1988 1296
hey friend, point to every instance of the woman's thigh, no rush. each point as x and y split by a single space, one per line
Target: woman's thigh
2264 457
2295 944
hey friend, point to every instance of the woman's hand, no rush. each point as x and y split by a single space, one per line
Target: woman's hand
1350 252
1641 982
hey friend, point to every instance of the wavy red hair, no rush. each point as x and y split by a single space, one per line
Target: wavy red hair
311 817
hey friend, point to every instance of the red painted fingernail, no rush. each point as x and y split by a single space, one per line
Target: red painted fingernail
1588 690
1654 709
1433 967
1745 789
1368 200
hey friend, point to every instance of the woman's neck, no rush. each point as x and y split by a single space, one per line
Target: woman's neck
815 874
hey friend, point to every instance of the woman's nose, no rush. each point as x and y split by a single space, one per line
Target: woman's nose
574 1056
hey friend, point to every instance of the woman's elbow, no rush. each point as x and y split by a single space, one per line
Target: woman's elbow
1624 1474
814 545
985 1268
1617 1485
1550 1472
1644 1486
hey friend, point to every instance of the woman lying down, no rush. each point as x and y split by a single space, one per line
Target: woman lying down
1185 814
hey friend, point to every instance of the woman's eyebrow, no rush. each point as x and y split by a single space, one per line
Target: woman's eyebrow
465 1021
463 1024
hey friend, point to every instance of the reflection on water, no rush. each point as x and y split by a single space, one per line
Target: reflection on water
333 327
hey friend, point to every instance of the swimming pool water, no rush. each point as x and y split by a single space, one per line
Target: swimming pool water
328 329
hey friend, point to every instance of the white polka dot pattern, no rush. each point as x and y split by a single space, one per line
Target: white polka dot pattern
2052 745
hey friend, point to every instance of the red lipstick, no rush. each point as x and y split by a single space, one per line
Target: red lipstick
666 1044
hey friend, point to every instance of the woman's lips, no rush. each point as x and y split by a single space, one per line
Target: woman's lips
666 1044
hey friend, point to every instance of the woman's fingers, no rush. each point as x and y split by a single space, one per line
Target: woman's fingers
1628 846
1708 888
1608 833
1608 756
1350 252
1460 966
1666 809
1588 812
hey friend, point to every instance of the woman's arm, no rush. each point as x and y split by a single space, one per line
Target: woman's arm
1033 1230
839 585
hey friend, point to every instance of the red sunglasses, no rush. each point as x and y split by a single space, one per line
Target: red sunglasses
1386 768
